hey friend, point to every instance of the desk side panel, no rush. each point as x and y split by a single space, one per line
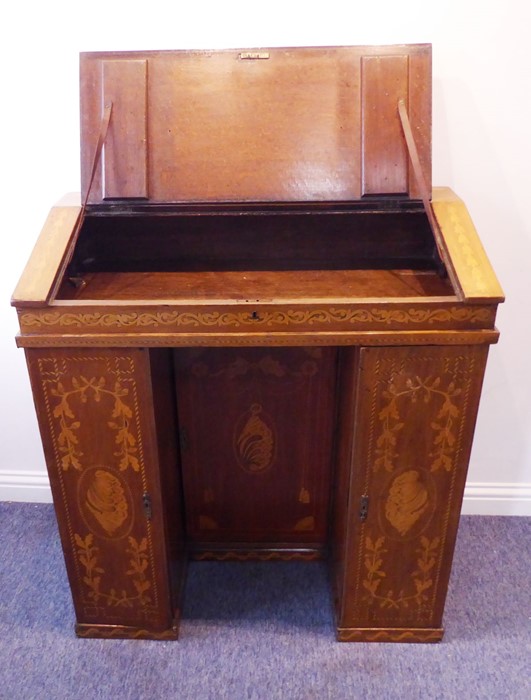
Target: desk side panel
344 445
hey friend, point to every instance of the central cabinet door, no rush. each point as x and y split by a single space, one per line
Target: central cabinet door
256 439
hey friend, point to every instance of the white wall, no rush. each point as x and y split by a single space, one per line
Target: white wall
481 148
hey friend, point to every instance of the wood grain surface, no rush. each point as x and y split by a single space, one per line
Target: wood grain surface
282 128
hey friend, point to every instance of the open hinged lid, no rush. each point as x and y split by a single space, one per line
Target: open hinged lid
275 125
295 167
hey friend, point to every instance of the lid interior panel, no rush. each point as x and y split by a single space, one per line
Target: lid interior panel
282 125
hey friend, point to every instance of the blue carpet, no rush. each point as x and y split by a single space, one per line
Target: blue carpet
264 630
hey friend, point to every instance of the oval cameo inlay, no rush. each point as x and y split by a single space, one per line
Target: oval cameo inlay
407 501
254 441
105 503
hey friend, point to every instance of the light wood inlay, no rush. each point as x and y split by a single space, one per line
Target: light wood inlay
476 276
38 278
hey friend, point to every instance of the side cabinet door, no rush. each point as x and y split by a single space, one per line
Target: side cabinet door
97 419
414 420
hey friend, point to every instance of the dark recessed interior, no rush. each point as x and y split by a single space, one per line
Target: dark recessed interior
254 240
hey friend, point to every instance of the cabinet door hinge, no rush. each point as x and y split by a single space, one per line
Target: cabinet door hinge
364 507
146 502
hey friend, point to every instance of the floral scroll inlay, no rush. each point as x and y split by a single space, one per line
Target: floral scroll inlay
68 441
88 554
421 578
267 365
313 317
390 417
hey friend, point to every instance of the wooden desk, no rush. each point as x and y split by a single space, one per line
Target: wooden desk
274 379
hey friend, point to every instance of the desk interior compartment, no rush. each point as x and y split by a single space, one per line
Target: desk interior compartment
257 252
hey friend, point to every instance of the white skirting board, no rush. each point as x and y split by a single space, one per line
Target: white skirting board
497 498
30 486
481 498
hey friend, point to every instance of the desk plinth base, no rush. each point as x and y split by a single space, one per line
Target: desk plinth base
254 554
123 632
399 635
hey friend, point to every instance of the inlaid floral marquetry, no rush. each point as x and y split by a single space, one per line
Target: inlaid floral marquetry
315 317
94 574
248 472
414 590
267 365
392 421
92 388
99 459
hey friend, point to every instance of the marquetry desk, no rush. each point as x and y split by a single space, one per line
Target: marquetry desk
259 334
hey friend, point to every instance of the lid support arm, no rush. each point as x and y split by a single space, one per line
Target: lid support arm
106 118
426 199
